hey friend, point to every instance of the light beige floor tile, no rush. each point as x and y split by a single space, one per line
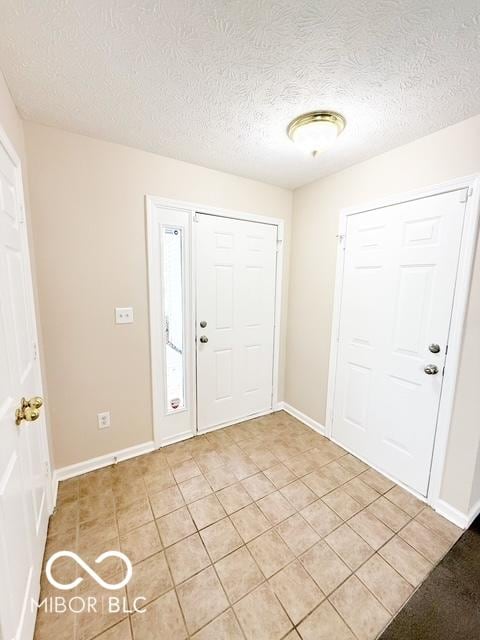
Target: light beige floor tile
361 492
296 590
325 567
92 534
220 539
424 540
385 583
141 543
258 486
133 516
185 470
325 624
194 488
208 460
225 627
120 631
275 507
244 468
60 626
263 458
186 558
297 533
351 548
206 511
250 522
321 518
343 504
239 574
408 562
352 464
202 599
319 483
220 478
389 513
175 526
293 635
97 506
300 465
357 606
377 481
439 525
234 498
261 615
65 518
162 619
166 501
280 475
150 579
270 552
405 501
371 529
336 472
298 494
158 479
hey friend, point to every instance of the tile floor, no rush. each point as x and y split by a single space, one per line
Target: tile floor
260 531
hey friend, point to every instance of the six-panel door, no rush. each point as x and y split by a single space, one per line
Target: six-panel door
399 280
236 262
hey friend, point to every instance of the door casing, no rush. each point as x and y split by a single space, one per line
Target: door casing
459 309
154 206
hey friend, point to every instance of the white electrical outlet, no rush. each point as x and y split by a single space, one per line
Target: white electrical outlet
123 315
103 419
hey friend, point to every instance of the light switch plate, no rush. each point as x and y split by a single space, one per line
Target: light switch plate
123 315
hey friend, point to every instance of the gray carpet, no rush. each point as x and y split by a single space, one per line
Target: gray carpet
447 605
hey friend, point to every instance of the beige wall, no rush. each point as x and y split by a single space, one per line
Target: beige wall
449 153
89 229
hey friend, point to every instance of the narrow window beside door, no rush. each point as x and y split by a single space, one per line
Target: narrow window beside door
173 277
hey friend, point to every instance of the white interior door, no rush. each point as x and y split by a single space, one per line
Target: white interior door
24 470
236 270
400 268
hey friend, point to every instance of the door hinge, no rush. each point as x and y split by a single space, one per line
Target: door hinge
35 351
47 468
195 216
341 239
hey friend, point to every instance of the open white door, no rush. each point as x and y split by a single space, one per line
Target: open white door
236 270
24 467
400 269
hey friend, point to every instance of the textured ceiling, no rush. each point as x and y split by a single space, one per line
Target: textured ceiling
216 82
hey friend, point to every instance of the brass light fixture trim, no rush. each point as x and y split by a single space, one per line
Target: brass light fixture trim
316 116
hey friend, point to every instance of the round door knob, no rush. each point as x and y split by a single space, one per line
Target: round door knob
203 339
431 369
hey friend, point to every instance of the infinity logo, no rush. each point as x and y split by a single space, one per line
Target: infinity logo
89 570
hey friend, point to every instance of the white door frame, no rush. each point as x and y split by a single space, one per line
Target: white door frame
154 285
10 149
459 310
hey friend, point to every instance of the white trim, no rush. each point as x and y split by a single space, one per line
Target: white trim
78 469
460 301
179 437
474 512
192 208
310 422
446 510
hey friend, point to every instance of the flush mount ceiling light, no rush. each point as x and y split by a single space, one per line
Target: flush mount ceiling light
316 131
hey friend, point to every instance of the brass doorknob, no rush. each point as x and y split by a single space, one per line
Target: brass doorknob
29 410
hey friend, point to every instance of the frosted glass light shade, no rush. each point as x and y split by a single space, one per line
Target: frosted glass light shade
317 131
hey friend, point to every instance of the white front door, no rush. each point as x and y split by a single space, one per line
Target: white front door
236 270
400 268
24 470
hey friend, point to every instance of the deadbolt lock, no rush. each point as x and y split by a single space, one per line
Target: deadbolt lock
203 323
434 348
29 410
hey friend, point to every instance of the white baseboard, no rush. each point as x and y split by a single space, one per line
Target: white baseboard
474 512
179 437
64 473
310 422
446 510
